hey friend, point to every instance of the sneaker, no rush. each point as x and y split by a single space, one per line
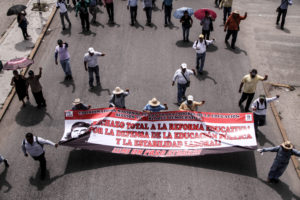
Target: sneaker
6 163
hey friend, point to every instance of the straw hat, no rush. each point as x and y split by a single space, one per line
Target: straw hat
76 101
154 102
236 12
118 90
201 36
287 145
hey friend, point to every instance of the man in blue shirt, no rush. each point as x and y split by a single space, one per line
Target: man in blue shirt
282 9
154 106
167 4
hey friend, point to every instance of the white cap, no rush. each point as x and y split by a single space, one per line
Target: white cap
184 65
190 98
91 50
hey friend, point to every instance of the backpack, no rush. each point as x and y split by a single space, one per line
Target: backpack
37 141
257 105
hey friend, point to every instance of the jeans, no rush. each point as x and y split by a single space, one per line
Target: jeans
39 98
277 170
85 23
91 76
200 57
259 120
206 34
185 32
168 11
65 64
148 11
249 97
234 34
93 11
41 158
62 16
133 13
181 92
110 11
283 12
226 12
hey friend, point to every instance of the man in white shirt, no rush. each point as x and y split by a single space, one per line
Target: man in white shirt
91 65
200 47
182 76
34 146
259 107
63 13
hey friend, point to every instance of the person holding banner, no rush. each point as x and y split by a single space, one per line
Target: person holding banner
281 161
190 104
182 76
35 147
118 98
154 106
77 105
259 107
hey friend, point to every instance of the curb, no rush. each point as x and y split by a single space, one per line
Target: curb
31 56
282 129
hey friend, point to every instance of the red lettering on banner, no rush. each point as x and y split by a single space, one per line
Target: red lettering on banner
149 153
162 127
153 127
185 127
167 136
137 126
118 141
132 134
121 150
96 130
109 123
137 152
109 132
156 135
127 142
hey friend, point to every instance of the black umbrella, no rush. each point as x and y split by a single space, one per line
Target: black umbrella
14 10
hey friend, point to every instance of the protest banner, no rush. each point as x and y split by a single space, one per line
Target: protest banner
159 134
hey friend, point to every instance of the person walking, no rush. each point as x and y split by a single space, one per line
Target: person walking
91 65
61 50
259 107
93 10
182 76
132 6
21 86
109 4
148 10
281 161
217 3
187 23
232 26
118 98
33 146
36 88
2 159
249 82
23 23
200 47
63 11
154 106
227 5
207 25
82 8
167 7
190 104
282 10
78 105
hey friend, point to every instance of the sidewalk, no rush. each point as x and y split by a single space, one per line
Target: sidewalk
12 44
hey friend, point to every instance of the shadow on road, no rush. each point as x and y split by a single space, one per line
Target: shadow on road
98 89
286 30
113 25
242 163
67 31
4 182
211 48
30 115
69 83
172 26
97 24
88 33
24 45
204 75
282 189
237 50
138 25
41 184
181 43
262 139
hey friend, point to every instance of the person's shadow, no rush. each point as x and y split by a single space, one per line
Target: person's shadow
88 33
113 25
67 31
172 26
4 182
152 25
69 83
286 30
98 89
181 43
138 25
211 48
237 50
97 24
262 139
41 184
204 75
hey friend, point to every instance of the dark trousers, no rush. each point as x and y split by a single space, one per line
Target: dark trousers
185 32
249 97
110 11
93 70
234 34
41 158
148 11
62 16
85 23
24 32
217 2
168 11
133 13
259 120
200 60
39 98
206 34
226 12
283 13
181 92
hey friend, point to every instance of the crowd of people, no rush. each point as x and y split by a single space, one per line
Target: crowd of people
33 145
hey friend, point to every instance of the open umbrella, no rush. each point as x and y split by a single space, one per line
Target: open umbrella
200 14
179 12
17 63
16 9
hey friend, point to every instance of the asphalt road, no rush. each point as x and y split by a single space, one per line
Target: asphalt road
142 59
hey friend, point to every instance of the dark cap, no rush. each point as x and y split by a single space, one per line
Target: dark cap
253 71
